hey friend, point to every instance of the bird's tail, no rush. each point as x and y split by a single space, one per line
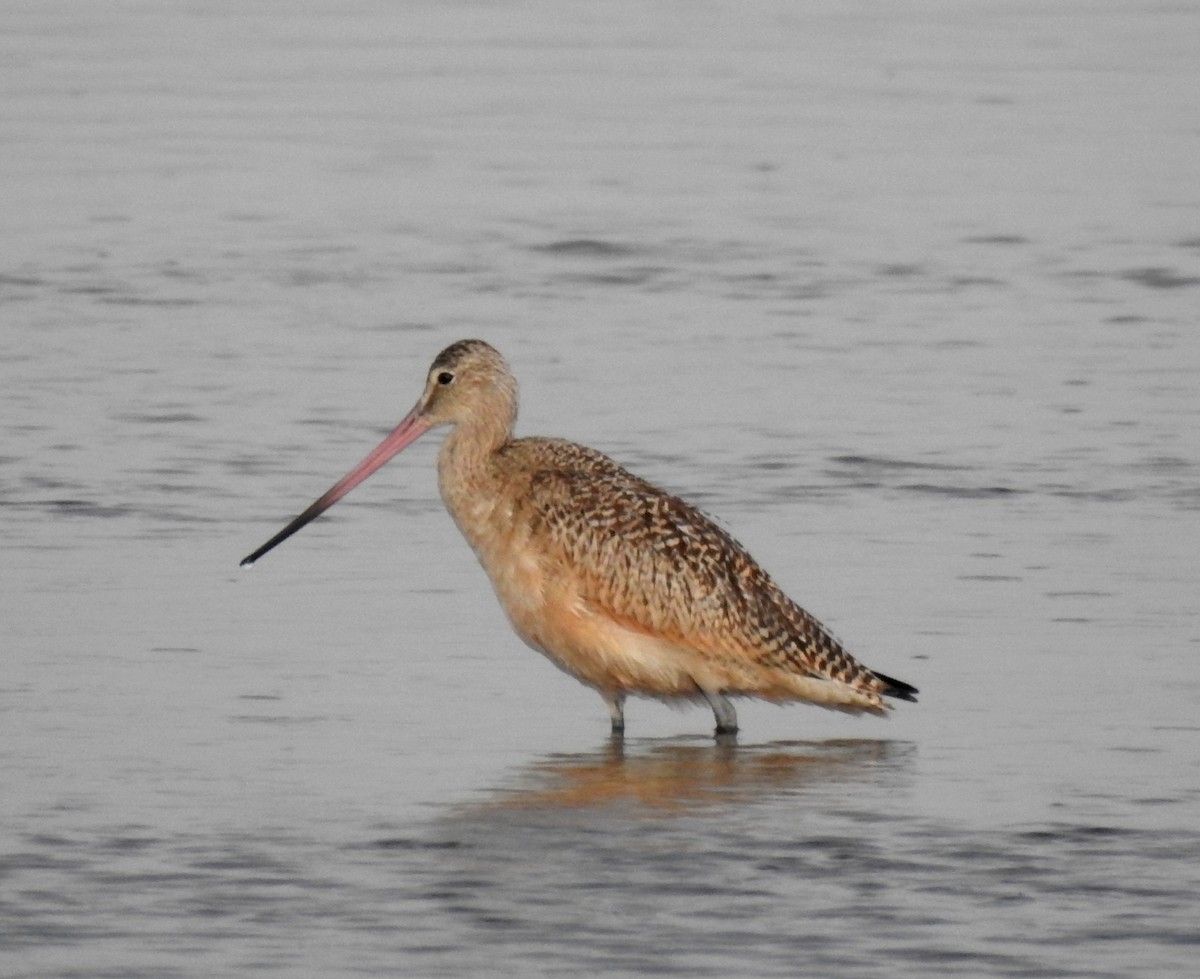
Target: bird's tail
897 688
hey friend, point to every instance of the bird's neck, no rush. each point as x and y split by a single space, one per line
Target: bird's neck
467 467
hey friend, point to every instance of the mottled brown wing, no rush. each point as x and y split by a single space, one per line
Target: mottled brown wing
661 564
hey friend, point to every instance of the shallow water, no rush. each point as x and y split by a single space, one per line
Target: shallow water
906 296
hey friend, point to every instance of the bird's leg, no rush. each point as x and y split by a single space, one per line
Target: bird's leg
616 710
723 711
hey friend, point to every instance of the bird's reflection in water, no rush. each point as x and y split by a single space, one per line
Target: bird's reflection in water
678 775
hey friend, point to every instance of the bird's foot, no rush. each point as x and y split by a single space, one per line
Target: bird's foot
616 710
725 734
724 713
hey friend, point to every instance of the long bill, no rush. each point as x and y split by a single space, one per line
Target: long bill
402 436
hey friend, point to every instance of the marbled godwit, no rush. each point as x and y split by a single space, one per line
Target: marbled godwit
628 589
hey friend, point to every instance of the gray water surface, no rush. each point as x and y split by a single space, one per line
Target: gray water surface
905 295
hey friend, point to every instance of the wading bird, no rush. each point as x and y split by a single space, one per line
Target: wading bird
625 587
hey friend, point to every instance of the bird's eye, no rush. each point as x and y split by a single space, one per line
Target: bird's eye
445 377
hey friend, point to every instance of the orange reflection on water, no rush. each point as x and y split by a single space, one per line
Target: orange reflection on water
675 775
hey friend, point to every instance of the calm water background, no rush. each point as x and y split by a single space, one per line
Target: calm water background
905 293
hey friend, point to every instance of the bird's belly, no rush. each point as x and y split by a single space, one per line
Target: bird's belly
543 597
547 611
608 656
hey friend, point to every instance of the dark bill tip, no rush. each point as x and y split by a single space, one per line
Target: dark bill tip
287 532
